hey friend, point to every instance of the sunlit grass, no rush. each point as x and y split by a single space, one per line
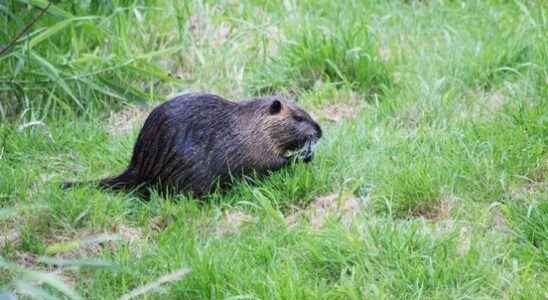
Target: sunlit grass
445 150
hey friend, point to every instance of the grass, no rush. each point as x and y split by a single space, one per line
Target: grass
441 141
339 49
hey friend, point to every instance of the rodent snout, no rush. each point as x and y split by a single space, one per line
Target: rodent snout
315 132
318 131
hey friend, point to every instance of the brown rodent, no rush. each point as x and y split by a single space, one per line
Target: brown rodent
195 141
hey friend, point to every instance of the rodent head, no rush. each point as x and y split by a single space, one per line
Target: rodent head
291 128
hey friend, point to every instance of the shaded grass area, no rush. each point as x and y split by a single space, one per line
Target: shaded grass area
446 152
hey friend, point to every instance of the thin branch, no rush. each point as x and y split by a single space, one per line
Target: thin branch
27 27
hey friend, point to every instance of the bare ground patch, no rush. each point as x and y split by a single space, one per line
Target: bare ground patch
65 255
338 112
411 117
12 219
528 190
231 223
85 243
124 121
438 211
465 241
343 206
158 223
9 236
497 219
345 105
439 216
483 104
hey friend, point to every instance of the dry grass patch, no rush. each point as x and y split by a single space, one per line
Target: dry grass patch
343 206
64 255
343 105
231 223
204 31
482 104
497 219
26 259
221 35
411 116
12 219
8 236
464 241
86 243
528 190
339 112
385 53
531 190
124 121
158 223
494 101
439 211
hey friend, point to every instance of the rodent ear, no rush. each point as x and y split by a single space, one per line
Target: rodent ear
275 107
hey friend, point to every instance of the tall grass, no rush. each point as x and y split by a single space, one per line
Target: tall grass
340 49
434 114
78 57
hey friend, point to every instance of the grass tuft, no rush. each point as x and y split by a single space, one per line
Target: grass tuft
343 51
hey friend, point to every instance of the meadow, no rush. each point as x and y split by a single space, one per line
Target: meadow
431 180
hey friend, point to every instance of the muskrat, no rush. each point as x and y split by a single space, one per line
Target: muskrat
194 142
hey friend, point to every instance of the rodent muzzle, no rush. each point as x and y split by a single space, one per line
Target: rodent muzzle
306 151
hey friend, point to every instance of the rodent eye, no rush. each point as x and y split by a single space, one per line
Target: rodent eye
298 118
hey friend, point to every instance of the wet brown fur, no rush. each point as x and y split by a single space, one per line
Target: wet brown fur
194 141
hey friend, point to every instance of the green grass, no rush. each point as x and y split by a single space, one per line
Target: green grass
338 48
447 153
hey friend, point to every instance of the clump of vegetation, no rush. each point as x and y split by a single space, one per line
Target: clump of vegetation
341 50
528 218
78 57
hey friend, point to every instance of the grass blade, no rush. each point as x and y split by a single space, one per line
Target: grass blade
127 90
53 9
32 291
53 281
155 284
55 29
53 74
75 244
93 263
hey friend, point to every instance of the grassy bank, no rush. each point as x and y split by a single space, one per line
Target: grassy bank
430 181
